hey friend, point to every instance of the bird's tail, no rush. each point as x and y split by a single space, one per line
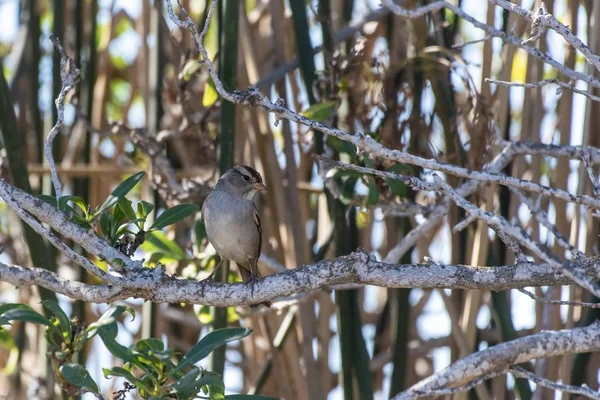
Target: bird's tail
248 276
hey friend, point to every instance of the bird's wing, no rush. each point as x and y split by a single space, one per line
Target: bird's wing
259 228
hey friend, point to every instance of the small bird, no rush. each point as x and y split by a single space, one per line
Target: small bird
232 221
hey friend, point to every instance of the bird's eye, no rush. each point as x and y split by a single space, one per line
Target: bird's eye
246 178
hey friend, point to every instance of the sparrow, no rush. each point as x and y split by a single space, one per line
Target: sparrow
232 222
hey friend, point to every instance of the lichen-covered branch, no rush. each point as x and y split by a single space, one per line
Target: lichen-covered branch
506 355
69 74
356 268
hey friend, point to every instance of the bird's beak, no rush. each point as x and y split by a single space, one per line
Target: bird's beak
259 187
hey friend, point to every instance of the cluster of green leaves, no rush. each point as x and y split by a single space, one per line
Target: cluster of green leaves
117 215
155 371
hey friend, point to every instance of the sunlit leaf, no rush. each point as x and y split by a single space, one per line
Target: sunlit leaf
65 322
210 95
8 343
120 192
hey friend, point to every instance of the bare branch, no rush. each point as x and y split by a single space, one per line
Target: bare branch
547 21
590 170
562 85
500 223
69 74
504 355
22 202
20 276
581 390
559 302
356 268
541 216
56 242
363 142
512 39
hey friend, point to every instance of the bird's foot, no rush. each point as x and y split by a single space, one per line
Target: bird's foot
209 279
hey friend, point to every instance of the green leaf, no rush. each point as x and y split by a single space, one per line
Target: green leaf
210 95
320 112
347 193
108 318
190 68
152 344
341 146
373 196
159 242
78 376
123 373
78 201
397 186
108 334
105 224
173 215
186 386
22 313
120 192
210 342
125 205
63 319
118 217
48 199
7 342
144 209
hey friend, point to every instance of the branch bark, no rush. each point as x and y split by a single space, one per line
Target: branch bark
357 268
505 355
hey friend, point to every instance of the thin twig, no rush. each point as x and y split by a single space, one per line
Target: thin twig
548 21
512 39
590 170
562 85
69 75
542 218
581 390
558 302
516 232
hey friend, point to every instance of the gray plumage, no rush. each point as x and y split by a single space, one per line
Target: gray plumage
231 219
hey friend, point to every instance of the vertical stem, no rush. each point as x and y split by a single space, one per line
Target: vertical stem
154 112
228 51
35 33
58 29
400 314
307 60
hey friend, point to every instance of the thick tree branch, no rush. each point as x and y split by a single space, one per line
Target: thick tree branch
506 355
356 268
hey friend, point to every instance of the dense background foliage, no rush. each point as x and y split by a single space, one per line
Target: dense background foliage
144 104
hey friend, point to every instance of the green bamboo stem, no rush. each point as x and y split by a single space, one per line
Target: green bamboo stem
228 50
58 29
